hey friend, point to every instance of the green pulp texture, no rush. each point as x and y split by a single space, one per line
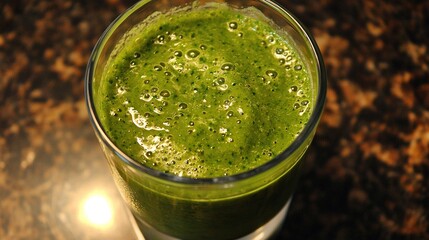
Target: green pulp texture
205 93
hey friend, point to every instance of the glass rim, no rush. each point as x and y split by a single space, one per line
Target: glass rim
302 136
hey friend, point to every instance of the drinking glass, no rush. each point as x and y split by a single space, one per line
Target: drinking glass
249 205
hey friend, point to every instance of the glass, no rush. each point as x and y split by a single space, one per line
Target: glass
250 205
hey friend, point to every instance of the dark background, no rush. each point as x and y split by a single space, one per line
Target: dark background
366 175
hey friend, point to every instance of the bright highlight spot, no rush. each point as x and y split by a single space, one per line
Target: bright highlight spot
97 210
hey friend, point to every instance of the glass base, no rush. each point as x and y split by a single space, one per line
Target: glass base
144 231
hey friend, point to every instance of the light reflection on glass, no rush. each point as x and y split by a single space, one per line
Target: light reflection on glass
97 210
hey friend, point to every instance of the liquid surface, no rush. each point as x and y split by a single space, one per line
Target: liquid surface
205 93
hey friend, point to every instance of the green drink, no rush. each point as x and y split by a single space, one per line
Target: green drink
204 112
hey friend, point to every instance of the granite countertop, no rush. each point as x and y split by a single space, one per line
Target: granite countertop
366 175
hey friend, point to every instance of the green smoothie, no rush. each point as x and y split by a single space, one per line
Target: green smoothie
199 94
206 93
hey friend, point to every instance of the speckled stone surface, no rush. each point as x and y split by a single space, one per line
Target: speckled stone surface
366 175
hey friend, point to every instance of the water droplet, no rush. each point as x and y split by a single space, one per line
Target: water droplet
183 105
221 81
167 73
149 154
305 102
154 89
298 67
136 55
233 25
192 53
271 73
240 34
133 64
164 93
146 81
282 61
293 89
238 121
230 114
191 123
178 53
227 67
203 47
280 50
157 68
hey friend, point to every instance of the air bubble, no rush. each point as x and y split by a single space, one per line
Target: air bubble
203 47
221 81
230 114
227 67
157 68
178 53
296 105
233 25
298 67
271 73
146 81
293 89
160 39
192 53
164 93
146 115
154 89
167 74
166 123
137 55
133 64
280 50
240 34
149 154
183 106
282 61
305 102
238 121
146 97
191 123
